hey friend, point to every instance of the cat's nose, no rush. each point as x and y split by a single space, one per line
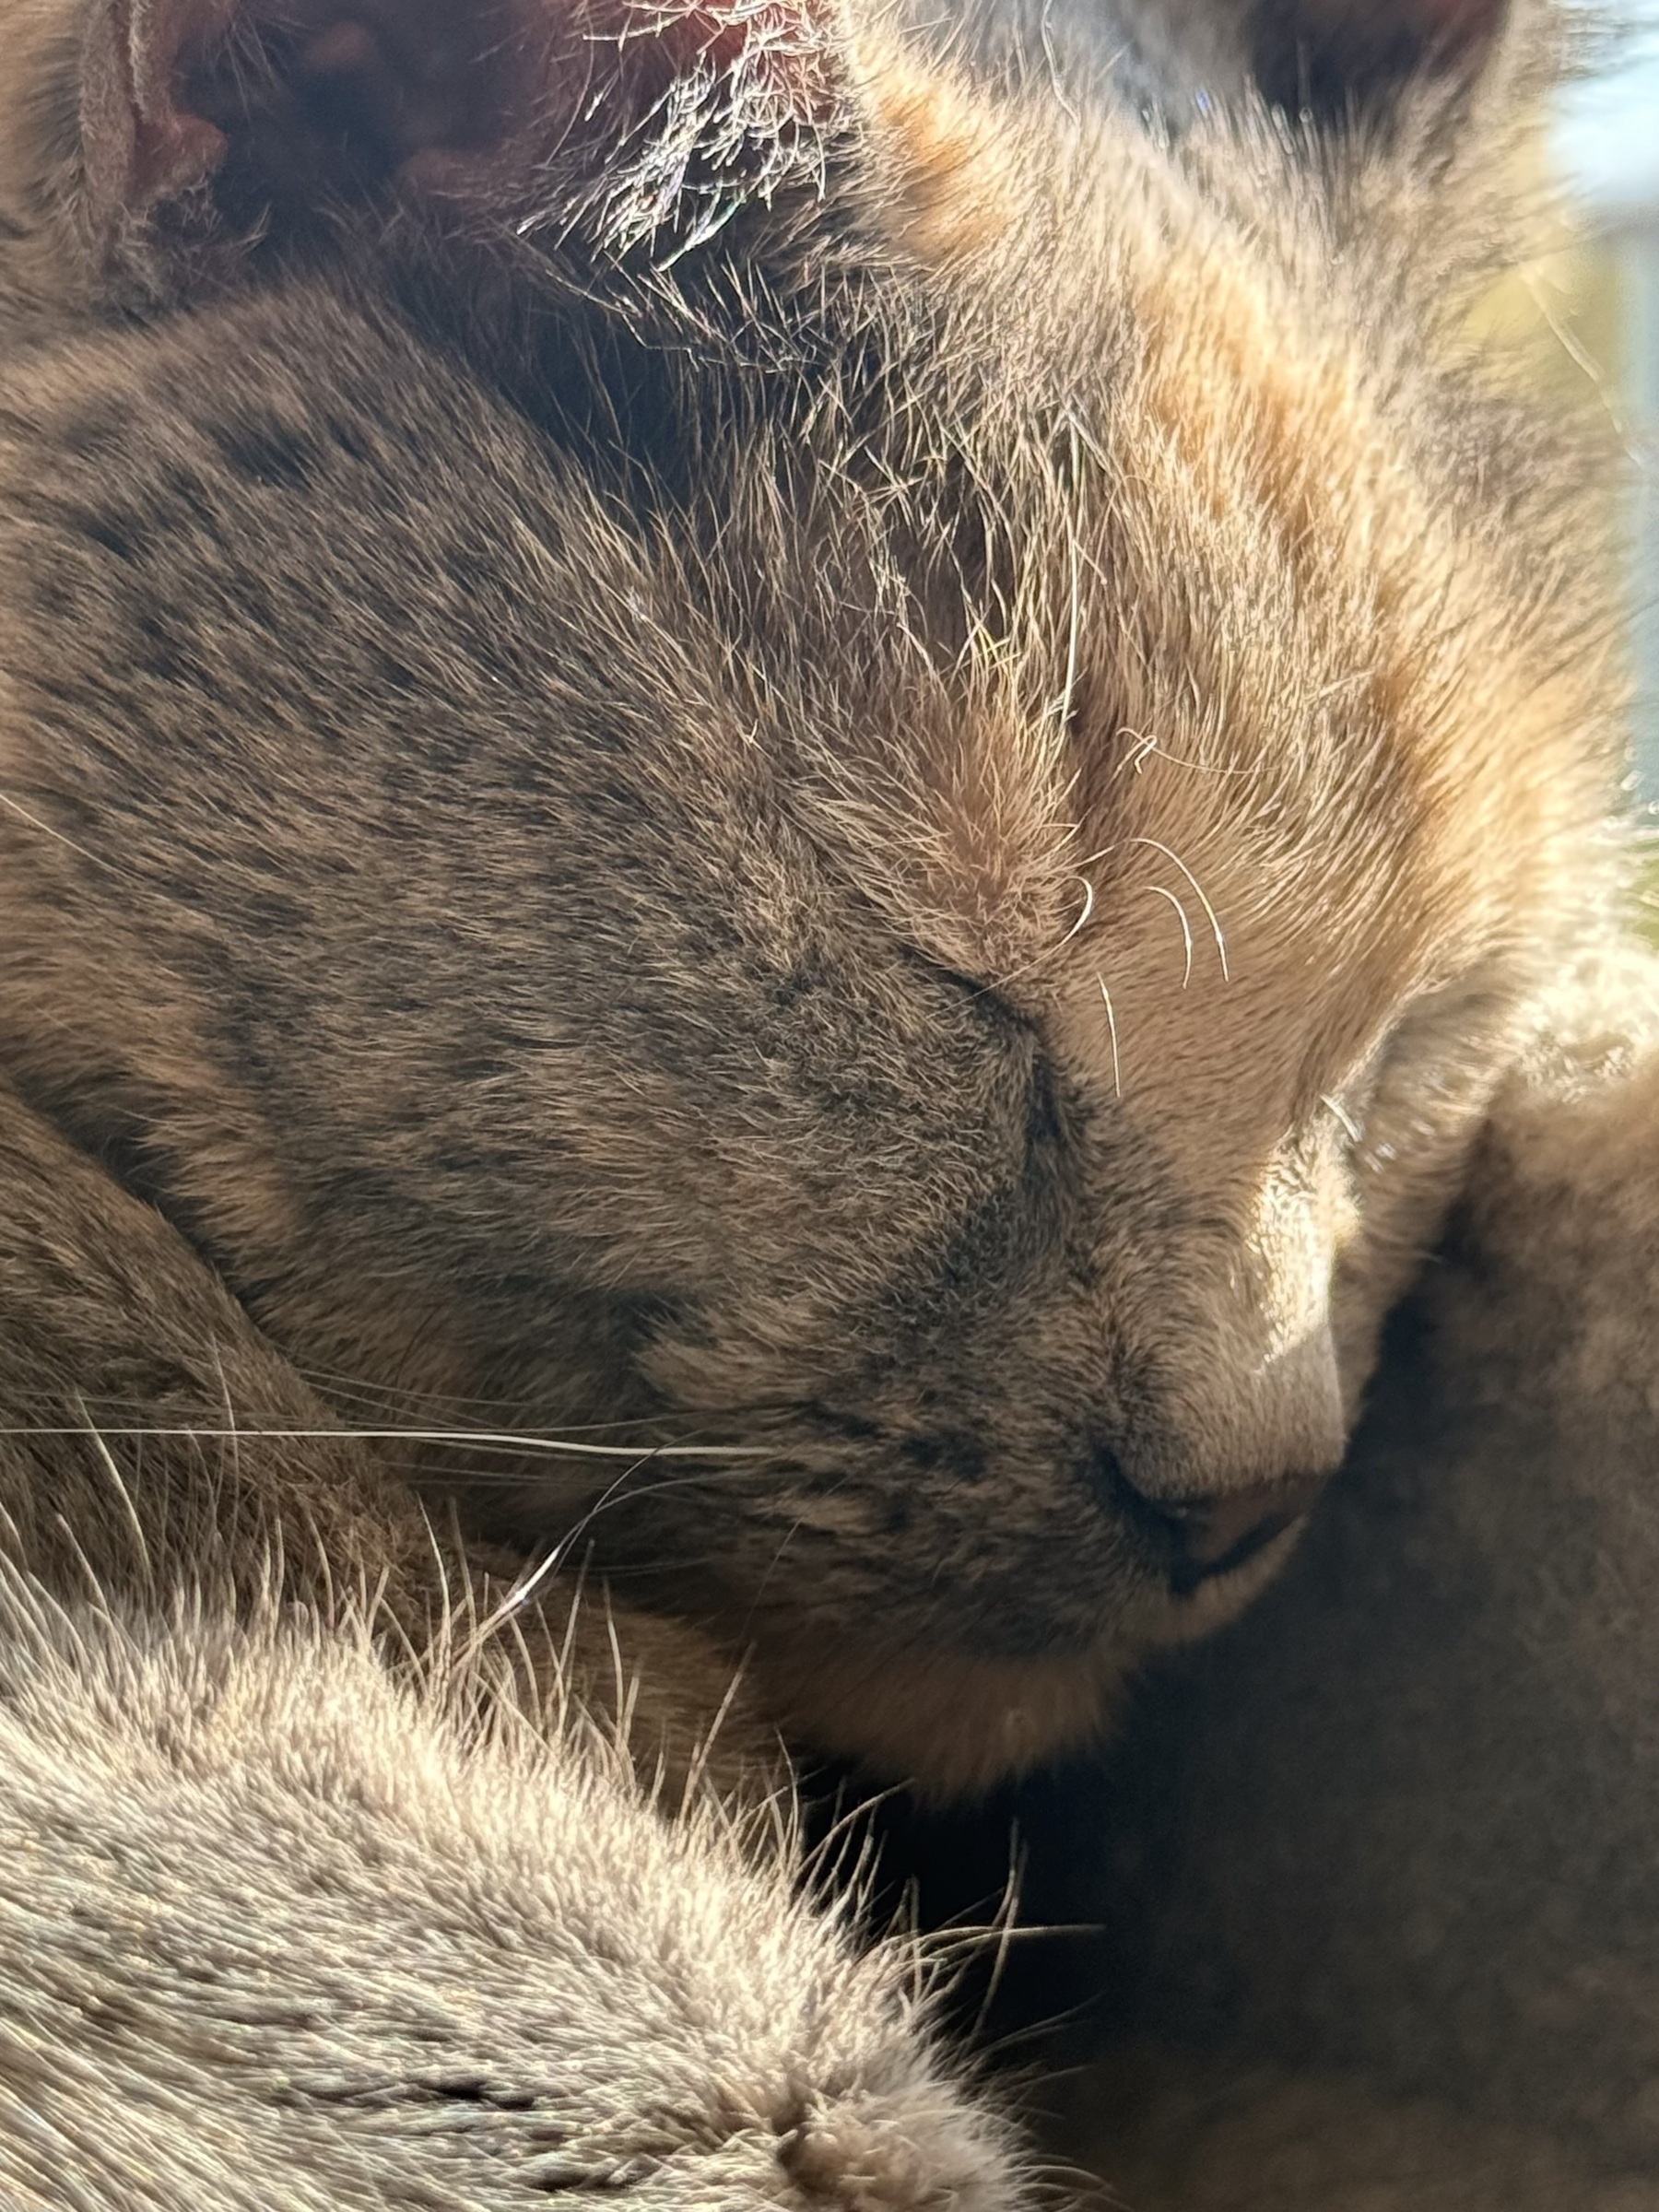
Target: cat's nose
1196 1538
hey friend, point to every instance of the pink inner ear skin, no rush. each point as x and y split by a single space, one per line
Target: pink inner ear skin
168 87
172 153
138 146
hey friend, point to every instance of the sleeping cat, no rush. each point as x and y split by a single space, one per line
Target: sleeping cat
729 746
774 806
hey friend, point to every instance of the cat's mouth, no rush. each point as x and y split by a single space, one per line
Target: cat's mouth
1196 1606
907 1601
957 1719
1192 1574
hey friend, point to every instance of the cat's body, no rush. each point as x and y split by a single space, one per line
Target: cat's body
1383 1878
724 744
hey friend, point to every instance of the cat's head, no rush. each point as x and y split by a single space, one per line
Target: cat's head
1067 736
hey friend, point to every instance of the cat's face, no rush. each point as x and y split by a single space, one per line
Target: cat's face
1059 771
1130 1002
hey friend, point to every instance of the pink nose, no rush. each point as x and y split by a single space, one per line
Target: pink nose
1207 1536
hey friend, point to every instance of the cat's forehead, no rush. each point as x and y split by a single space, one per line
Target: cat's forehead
1259 730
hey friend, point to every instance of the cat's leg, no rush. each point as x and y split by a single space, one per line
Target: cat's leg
153 1441
285 1926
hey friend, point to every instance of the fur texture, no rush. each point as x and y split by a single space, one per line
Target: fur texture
774 808
280 1936
950 695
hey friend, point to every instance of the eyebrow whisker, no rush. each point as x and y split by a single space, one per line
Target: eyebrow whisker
1175 861
1158 891
1117 1072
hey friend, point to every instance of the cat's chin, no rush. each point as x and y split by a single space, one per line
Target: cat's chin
954 1724
950 1724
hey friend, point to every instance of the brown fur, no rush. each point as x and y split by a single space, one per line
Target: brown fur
982 759
1383 1862
725 738
148 1486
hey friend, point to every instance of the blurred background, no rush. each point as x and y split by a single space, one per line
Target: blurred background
1601 297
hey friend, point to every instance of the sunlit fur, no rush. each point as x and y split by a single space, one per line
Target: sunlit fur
908 836
278 1934
757 732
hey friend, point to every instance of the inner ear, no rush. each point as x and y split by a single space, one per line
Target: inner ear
265 113
363 91
1343 58
316 105
288 102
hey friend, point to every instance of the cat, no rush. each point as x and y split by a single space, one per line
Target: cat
886 699
834 777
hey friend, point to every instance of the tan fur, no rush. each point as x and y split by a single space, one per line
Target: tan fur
276 1933
775 808
1223 594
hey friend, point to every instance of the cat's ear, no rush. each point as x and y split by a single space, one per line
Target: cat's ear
267 115
1351 60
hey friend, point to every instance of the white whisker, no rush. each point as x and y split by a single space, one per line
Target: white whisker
1136 760
123 1493
479 1440
1158 891
1062 706
1089 907
1340 1113
524 1588
1146 748
46 830
1176 862
1117 1072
